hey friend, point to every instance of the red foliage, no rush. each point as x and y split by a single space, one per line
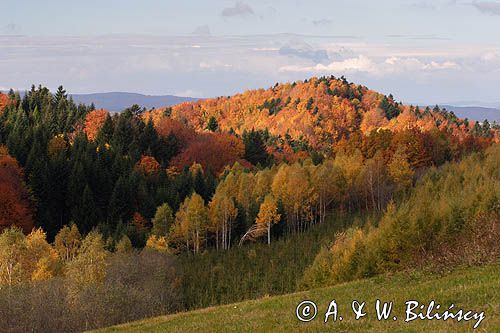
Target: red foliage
184 134
93 123
148 164
15 207
212 150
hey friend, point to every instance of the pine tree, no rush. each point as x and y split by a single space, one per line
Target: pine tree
212 125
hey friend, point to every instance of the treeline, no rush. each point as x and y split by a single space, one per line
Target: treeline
363 176
450 218
152 178
104 182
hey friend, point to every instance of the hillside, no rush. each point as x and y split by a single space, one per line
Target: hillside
474 288
318 113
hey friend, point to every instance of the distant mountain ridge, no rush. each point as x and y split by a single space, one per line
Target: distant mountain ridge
118 101
478 113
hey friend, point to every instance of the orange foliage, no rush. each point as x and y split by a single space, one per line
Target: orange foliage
148 164
93 123
15 207
373 119
321 111
4 101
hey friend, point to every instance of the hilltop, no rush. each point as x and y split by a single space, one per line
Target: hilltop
316 114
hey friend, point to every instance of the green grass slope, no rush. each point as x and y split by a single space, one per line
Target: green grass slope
474 288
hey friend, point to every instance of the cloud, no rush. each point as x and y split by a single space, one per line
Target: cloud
487 7
490 56
322 22
10 29
223 65
364 64
358 64
202 30
239 9
305 52
414 64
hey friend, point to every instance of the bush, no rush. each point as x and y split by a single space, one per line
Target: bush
137 285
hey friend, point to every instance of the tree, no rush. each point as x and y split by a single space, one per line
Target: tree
162 221
375 181
255 149
222 212
191 222
42 258
329 185
94 122
84 214
291 186
124 245
212 125
400 170
56 145
105 133
67 242
89 266
15 207
268 215
148 165
12 251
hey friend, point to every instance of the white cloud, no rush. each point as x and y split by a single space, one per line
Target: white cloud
365 64
415 64
358 64
225 65
491 56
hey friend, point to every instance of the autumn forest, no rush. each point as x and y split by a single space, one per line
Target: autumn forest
301 185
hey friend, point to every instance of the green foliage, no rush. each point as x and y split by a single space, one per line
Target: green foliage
445 204
466 288
162 221
253 270
212 125
255 148
89 182
274 106
390 109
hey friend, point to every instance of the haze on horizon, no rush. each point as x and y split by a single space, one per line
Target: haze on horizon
420 51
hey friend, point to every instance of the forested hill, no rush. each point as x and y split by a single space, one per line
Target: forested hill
316 114
115 170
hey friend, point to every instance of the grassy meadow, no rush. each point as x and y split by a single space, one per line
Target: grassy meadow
472 288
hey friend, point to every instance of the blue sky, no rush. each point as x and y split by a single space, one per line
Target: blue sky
421 51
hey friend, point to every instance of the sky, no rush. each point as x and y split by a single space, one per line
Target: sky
420 51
